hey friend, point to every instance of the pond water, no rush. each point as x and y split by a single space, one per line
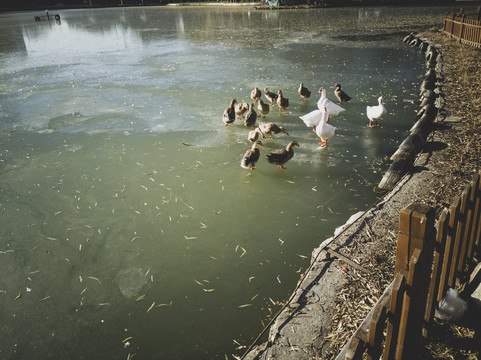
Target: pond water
127 224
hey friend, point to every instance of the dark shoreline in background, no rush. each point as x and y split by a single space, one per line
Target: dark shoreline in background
84 4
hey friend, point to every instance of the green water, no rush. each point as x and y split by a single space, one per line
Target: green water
127 223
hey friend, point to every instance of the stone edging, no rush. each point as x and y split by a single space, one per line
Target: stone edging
431 100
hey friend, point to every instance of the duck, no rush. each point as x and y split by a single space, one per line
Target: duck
256 93
324 130
254 135
251 156
271 128
251 116
229 113
374 113
304 92
341 95
281 157
241 108
332 108
282 102
262 107
270 96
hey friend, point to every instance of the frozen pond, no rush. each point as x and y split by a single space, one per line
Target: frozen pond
127 224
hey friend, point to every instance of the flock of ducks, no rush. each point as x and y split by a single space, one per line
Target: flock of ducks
317 119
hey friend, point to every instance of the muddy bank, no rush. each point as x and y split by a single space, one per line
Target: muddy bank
336 294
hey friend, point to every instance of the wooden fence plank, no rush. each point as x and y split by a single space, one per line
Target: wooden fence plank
448 250
355 350
394 315
466 197
434 286
416 223
459 229
376 328
362 331
478 220
475 200
404 324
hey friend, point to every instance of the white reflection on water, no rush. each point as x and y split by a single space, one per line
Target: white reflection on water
124 209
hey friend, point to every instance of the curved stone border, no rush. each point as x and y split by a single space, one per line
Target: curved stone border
431 102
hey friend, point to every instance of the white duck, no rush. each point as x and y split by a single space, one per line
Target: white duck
374 113
324 130
332 108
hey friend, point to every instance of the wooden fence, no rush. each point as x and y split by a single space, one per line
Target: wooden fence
429 261
466 27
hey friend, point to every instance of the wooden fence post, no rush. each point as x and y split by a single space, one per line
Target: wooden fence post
457 229
461 31
435 294
414 253
394 316
468 214
416 229
448 250
475 202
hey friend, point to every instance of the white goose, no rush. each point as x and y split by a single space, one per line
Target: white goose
332 108
323 129
312 119
374 113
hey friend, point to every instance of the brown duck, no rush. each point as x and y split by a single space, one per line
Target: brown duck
229 113
241 108
271 128
282 102
262 107
251 116
281 157
251 156
341 95
254 135
270 96
304 92
255 94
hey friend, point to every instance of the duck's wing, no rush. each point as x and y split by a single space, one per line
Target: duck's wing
345 97
375 112
332 108
312 119
251 118
279 157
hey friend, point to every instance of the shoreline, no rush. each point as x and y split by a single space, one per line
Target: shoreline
334 297
258 5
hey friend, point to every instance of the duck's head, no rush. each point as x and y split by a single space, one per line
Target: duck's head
293 143
320 90
279 93
338 86
380 99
